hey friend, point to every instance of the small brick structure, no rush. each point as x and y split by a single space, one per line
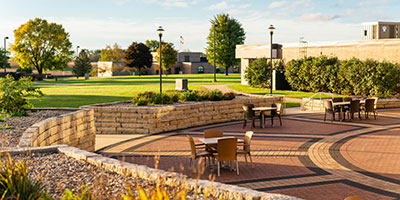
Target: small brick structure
74 129
118 119
318 104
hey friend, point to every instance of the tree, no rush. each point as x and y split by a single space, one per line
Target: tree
155 44
168 56
2 53
94 55
228 34
43 45
138 56
112 54
258 73
82 64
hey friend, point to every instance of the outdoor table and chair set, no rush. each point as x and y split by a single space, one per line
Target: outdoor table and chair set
350 106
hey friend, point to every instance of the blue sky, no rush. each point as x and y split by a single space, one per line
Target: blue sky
93 24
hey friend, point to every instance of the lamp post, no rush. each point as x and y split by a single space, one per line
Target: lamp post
77 51
160 32
215 67
271 32
5 55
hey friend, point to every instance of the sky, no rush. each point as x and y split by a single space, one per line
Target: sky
93 24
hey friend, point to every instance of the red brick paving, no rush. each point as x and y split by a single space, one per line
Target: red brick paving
375 153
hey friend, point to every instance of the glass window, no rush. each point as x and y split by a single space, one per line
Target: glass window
187 58
200 69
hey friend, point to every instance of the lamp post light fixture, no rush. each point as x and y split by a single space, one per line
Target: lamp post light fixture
77 51
160 32
271 32
215 67
5 55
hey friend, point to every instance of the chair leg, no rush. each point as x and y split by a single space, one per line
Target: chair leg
325 116
272 121
251 160
237 167
219 163
280 121
333 117
253 125
190 161
245 123
245 157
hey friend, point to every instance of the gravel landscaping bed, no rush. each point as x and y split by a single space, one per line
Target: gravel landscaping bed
11 137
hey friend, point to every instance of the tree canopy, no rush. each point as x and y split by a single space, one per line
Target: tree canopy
155 44
43 45
228 34
112 54
168 56
138 56
82 64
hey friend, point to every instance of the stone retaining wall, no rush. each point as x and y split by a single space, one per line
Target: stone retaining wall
75 129
229 192
114 119
318 105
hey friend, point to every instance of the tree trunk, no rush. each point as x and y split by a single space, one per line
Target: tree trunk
139 71
40 71
226 71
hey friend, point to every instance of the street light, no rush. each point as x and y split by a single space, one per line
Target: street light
160 32
5 55
271 32
215 67
77 51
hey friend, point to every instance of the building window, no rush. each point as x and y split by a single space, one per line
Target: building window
200 69
187 58
365 32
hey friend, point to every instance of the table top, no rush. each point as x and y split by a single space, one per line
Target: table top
215 140
346 103
265 108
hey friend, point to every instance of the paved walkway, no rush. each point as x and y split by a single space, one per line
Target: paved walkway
306 157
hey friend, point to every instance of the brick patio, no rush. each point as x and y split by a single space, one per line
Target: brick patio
306 157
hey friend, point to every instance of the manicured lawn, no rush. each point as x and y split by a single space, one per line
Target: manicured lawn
72 93
287 93
290 104
152 79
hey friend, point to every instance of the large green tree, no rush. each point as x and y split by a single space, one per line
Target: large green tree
168 56
228 34
155 44
42 45
112 54
138 56
82 64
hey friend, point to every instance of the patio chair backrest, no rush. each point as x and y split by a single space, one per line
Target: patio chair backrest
248 111
375 102
226 149
328 106
192 146
355 105
247 140
213 133
337 99
370 105
347 99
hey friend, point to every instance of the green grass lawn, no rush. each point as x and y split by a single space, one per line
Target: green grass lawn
287 93
72 93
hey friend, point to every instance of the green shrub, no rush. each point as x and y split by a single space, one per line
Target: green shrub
174 96
191 96
141 102
215 95
143 98
83 195
14 95
15 183
161 99
258 73
228 95
349 77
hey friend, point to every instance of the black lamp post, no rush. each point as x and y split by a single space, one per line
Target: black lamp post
77 51
271 32
160 30
5 55
215 67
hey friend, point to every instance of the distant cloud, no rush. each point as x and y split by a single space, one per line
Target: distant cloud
219 6
245 5
277 4
176 3
121 2
301 3
318 17
369 3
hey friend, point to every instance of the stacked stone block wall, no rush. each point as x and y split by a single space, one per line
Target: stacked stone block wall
74 129
113 119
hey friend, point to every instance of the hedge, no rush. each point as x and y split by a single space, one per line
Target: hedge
348 77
